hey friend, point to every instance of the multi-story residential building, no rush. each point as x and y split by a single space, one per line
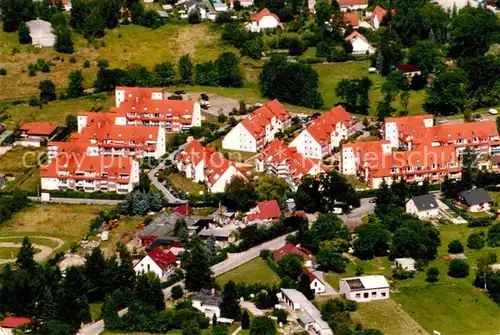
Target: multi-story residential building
325 133
401 130
258 128
75 170
147 107
375 162
282 161
206 165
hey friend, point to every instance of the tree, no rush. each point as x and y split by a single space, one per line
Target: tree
177 292
372 241
220 330
405 101
14 12
455 247
198 273
476 241
110 11
305 286
337 192
272 188
330 258
427 55
291 266
245 320
240 194
493 285
72 302
390 51
194 16
327 227
164 74
458 269
294 83
446 95
25 259
79 11
355 93
384 108
191 327
94 25
308 196
230 305
237 5
205 74
24 34
253 47
75 86
229 73
416 240
64 41
148 290
432 275
47 91
494 235
186 70
263 325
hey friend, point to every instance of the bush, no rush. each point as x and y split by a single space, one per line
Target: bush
432 275
455 247
476 241
72 59
480 222
400 273
338 55
264 253
33 101
86 64
3 72
177 292
458 269
494 235
350 305
281 315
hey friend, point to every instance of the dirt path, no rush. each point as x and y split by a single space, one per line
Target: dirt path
45 251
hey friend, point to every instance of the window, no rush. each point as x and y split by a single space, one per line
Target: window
358 295
383 294
374 294
365 295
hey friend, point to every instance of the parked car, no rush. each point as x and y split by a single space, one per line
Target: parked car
477 117
204 104
204 96
337 210
493 111
316 115
180 92
442 121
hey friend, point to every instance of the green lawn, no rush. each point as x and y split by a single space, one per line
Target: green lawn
186 185
95 311
253 272
34 240
8 252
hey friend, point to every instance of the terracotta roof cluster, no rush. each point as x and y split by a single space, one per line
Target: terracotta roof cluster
39 128
289 249
161 258
263 13
322 128
352 18
277 153
137 93
265 210
409 125
156 110
14 322
257 121
368 152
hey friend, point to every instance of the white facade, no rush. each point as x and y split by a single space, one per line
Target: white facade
364 288
407 264
391 131
239 138
411 208
361 47
267 22
308 146
120 93
219 186
479 208
353 7
317 286
147 265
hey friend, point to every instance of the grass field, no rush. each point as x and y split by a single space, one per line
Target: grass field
8 252
34 240
95 311
67 222
253 272
19 159
181 183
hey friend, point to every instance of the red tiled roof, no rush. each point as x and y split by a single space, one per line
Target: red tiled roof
264 12
407 68
322 128
166 109
257 121
379 13
291 248
134 93
352 18
183 209
309 275
14 322
39 128
343 3
354 36
161 258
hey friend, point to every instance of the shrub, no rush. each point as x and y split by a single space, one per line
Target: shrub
432 275
177 292
458 269
86 64
494 235
350 305
476 241
400 273
264 253
33 101
32 72
338 55
281 315
3 72
455 247
72 59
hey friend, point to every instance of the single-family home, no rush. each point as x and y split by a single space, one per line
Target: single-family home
9 323
309 316
316 285
208 301
325 133
38 129
243 3
423 206
407 264
377 16
476 200
349 5
364 288
223 236
292 249
263 20
352 19
258 128
265 212
409 70
360 45
157 261
194 5
41 33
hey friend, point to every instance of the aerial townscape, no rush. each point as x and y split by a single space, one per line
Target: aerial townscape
249 167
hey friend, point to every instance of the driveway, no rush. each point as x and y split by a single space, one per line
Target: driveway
329 290
216 102
45 251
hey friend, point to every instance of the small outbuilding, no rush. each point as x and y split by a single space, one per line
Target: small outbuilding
407 264
423 206
208 301
476 200
41 33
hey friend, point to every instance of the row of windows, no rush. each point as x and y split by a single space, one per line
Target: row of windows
366 294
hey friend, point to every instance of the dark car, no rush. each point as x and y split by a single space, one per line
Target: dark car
477 117
316 115
180 92
203 96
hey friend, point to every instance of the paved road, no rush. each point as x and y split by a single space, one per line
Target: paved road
78 201
166 193
366 208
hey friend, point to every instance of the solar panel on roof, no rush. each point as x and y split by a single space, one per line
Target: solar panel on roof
355 284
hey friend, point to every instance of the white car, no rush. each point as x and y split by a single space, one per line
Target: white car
337 210
442 121
493 111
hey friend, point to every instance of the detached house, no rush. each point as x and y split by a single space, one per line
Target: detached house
263 20
348 5
476 200
360 45
352 19
377 17
423 206
258 128
364 288
325 133
157 261
316 285
265 212
289 249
